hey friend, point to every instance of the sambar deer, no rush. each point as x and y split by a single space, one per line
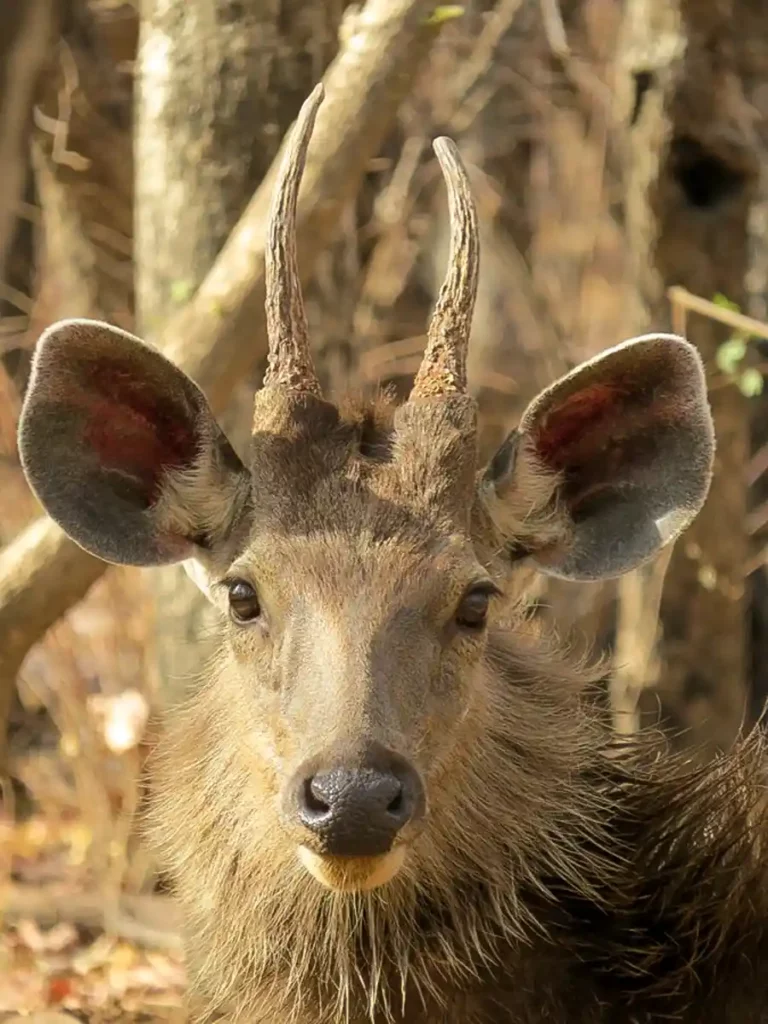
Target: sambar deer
387 801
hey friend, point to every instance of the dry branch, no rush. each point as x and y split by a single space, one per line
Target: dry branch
220 335
635 661
42 574
82 155
26 32
152 921
684 299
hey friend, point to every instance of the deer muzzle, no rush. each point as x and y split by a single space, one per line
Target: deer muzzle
354 817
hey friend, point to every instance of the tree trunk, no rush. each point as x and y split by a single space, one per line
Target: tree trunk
219 84
707 185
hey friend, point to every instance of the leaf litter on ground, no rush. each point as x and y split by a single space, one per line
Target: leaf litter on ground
64 971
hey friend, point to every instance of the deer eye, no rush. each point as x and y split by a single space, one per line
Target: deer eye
473 607
244 603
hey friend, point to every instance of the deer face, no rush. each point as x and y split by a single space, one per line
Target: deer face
357 555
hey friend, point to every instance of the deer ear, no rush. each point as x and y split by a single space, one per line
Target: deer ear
123 451
623 446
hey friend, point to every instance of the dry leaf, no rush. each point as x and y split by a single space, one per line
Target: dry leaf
58 938
122 719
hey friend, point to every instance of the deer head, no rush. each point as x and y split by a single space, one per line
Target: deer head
358 555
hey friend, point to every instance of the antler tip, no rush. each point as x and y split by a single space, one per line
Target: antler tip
315 98
444 144
449 157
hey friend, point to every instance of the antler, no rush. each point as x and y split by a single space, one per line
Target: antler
290 362
444 366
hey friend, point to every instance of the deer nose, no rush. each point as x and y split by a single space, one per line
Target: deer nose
357 812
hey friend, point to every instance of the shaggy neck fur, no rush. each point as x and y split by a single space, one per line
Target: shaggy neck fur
520 807
646 873
631 881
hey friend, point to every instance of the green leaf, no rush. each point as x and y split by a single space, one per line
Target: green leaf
725 303
730 354
181 291
751 383
447 12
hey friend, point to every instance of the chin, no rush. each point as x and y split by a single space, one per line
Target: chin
353 874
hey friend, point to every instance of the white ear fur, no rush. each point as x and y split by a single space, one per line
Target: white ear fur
199 576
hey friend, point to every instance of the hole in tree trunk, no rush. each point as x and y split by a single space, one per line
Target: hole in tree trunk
706 179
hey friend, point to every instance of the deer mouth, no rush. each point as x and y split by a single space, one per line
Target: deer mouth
352 874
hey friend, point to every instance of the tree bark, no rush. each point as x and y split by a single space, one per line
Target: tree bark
219 83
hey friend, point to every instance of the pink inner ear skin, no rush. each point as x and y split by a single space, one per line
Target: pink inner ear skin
589 411
133 429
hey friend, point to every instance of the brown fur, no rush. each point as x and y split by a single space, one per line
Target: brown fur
556 878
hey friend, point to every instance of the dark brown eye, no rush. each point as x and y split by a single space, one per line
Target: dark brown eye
243 601
473 608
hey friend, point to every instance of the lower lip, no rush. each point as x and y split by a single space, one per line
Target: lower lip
352 874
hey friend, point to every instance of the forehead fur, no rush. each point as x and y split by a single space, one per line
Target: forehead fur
367 468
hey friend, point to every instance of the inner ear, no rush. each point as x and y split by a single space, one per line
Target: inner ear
628 439
133 431
122 450
612 438
576 426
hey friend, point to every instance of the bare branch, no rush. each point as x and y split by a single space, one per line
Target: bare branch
42 574
221 334
635 661
152 921
82 155
684 299
26 32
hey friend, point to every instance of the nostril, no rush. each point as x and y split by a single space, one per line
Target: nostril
395 805
313 802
